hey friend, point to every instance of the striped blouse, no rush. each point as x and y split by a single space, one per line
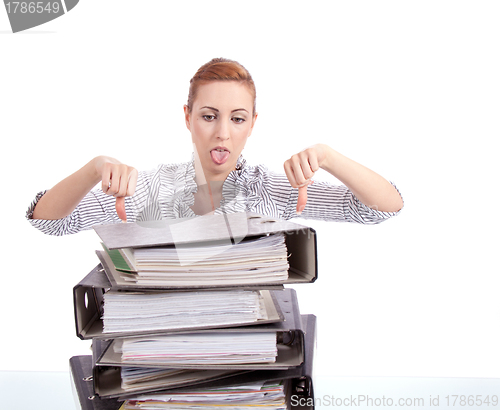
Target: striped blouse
167 193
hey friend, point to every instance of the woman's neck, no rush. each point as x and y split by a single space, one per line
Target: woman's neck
207 198
209 192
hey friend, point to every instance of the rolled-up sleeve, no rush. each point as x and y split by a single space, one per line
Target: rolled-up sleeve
356 211
94 209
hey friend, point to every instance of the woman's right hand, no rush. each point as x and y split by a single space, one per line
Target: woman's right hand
118 180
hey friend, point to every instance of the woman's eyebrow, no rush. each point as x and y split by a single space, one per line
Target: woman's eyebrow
216 110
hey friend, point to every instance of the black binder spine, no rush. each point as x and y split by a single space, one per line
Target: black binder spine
81 375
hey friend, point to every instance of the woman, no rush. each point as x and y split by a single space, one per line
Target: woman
220 114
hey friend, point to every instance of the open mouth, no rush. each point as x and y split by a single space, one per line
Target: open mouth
219 155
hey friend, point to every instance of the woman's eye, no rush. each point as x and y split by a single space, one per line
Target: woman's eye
209 117
238 120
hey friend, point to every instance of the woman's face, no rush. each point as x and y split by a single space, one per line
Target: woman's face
220 122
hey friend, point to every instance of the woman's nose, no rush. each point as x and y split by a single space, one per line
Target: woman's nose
223 132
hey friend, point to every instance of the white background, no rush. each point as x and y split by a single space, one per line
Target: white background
409 89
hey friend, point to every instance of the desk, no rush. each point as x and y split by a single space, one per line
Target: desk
53 391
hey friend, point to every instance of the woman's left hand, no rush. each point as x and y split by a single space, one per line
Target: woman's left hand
300 169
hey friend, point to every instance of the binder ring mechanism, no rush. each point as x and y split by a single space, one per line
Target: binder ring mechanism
302 386
286 338
89 379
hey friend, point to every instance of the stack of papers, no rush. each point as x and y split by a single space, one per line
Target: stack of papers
200 349
257 260
150 311
264 395
179 312
145 378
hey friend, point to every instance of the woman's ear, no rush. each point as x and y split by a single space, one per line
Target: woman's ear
187 117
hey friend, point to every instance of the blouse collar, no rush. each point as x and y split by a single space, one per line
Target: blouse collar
231 190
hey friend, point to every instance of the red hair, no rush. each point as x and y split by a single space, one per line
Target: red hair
220 69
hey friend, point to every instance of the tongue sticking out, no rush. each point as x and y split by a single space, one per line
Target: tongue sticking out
219 157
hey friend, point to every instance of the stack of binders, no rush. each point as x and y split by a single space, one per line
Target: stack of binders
194 312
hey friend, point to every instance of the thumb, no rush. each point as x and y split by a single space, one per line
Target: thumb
302 200
120 208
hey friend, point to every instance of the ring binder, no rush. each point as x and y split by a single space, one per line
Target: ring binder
300 240
107 379
88 297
